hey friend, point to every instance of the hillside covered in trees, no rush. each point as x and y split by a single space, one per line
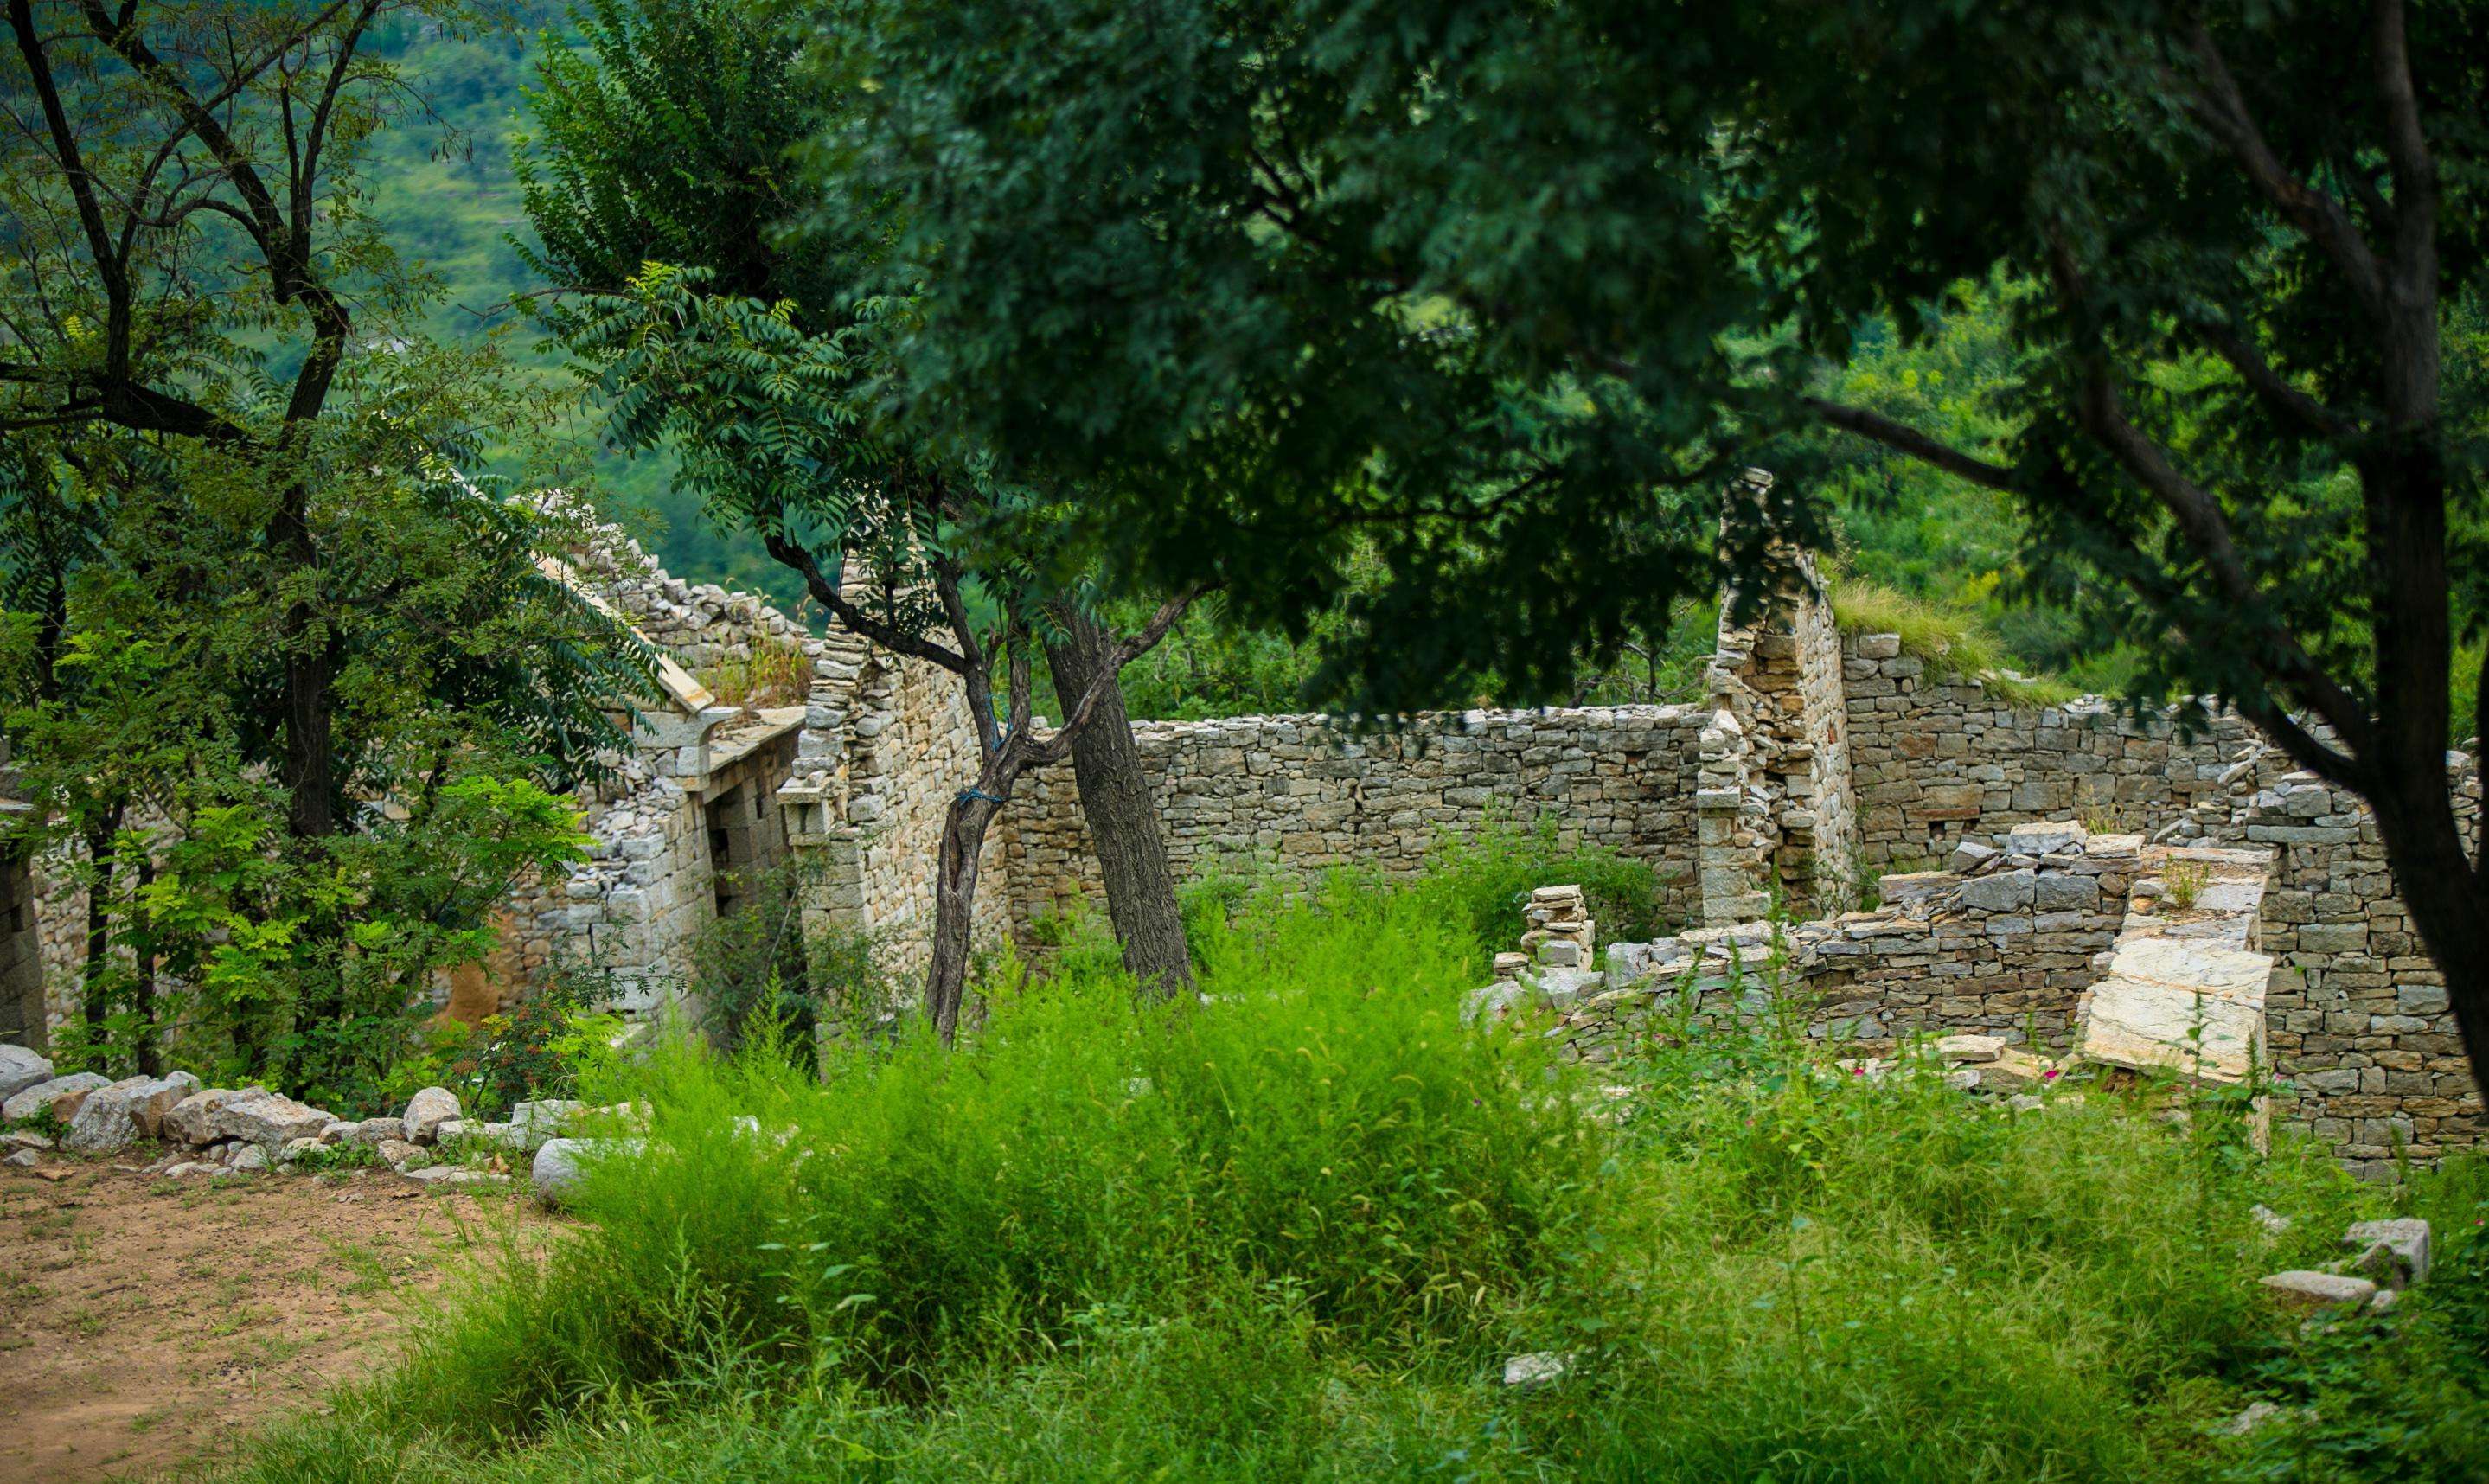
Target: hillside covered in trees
1913 542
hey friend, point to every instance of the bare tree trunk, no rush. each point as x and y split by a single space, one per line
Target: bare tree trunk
308 770
142 991
1123 818
954 904
98 920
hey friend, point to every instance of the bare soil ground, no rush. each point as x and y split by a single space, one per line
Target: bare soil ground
147 1325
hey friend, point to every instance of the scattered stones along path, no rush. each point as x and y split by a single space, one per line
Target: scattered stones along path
146 1325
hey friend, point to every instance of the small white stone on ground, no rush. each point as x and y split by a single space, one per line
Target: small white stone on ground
456 1175
1538 1368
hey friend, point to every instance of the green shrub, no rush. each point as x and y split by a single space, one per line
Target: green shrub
1487 877
2404 1397
543 1046
1326 1122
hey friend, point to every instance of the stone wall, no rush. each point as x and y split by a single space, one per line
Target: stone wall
651 882
1936 762
1303 793
2360 1028
914 749
2002 947
22 1019
1790 827
2360 1023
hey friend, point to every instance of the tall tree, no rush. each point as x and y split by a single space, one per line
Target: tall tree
671 139
1299 243
177 134
210 359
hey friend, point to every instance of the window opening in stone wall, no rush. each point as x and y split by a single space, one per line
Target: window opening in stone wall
731 847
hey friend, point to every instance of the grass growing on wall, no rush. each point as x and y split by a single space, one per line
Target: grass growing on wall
1293 1232
1954 645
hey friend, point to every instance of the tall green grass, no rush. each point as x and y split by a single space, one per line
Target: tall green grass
1292 1232
1954 645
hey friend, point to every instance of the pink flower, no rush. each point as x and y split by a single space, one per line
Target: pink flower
2049 1075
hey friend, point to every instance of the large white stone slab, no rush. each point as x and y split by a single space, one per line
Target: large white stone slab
2180 1005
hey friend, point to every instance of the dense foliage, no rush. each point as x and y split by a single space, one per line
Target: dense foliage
291 694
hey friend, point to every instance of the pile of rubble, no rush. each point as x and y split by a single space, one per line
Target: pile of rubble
2388 1256
1554 965
240 1131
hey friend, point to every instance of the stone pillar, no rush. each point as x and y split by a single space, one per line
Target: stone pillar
1779 673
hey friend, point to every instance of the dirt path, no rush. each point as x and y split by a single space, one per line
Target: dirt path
146 1324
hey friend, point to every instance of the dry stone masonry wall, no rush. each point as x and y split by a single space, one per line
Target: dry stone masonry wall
1824 759
1303 793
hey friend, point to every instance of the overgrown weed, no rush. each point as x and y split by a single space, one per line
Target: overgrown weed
1293 1230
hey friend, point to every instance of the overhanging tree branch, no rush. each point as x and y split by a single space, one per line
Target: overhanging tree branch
2222 108
1127 650
1902 438
773 538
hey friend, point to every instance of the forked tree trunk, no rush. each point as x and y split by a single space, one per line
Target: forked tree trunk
1123 818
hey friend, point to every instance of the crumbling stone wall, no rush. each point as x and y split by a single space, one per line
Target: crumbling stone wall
2360 1028
2360 1022
649 885
1789 825
1303 793
23 1021
1937 762
913 750
2003 952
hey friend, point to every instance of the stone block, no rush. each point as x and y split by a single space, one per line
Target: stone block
20 1069
61 1095
2004 891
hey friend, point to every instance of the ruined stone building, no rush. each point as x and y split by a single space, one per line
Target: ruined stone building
1819 764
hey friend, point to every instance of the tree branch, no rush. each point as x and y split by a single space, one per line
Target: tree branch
1903 438
2316 214
2207 531
978 669
82 188
2407 153
2275 391
826 593
1123 652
